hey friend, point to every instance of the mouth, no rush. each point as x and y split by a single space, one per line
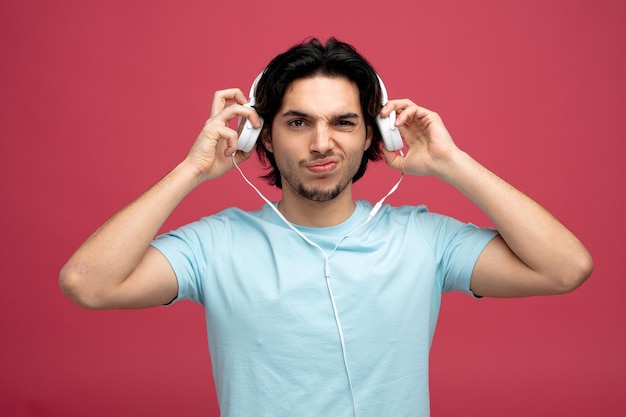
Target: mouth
322 166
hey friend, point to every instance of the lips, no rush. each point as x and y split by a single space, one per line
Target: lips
322 165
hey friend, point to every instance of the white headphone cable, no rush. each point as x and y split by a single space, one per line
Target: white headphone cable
326 256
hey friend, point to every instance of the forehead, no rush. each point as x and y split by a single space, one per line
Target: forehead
322 95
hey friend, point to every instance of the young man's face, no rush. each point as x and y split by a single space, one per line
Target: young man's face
319 137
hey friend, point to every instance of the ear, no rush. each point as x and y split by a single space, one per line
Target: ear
266 139
369 136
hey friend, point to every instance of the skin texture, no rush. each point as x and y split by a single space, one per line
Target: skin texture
318 139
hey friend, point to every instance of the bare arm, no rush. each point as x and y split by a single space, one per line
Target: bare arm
534 254
116 267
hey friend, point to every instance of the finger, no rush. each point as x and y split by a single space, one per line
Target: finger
240 156
404 109
232 110
393 159
406 115
226 138
397 105
222 97
219 134
410 114
401 105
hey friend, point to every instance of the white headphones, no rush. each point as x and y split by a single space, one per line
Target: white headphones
392 140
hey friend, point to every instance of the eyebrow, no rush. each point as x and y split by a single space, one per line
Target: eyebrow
341 116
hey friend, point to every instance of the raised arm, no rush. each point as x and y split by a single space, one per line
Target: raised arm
534 254
116 267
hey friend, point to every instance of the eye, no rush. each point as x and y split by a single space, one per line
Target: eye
345 124
296 123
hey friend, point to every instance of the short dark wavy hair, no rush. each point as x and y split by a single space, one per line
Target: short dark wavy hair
308 59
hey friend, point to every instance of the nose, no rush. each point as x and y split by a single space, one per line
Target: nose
322 140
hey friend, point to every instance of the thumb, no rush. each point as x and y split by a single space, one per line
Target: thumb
393 159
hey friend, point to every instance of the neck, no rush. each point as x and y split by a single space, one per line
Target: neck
304 212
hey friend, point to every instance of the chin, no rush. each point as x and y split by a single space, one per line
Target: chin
320 195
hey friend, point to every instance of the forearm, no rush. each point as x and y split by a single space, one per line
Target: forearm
115 268
113 251
535 254
558 259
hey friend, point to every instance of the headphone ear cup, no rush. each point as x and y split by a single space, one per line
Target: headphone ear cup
249 135
392 141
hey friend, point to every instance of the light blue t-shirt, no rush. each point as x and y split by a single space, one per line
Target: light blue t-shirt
273 337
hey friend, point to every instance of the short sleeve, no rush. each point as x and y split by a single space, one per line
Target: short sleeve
460 255
188 251
456 247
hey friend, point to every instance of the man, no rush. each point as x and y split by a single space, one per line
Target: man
319 304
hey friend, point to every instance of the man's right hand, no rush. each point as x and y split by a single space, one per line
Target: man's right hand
116 267
210 155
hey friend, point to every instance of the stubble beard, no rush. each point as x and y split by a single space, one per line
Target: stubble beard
314 193
320 195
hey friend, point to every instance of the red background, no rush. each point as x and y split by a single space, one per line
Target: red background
101 98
